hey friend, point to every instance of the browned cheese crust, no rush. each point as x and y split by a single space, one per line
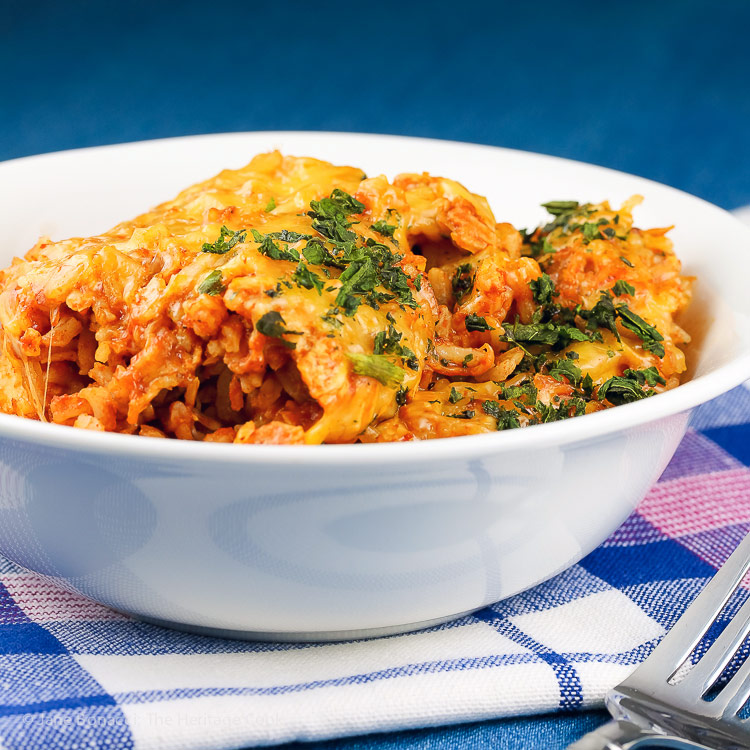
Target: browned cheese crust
293 301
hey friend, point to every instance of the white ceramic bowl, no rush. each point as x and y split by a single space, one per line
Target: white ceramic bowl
335 541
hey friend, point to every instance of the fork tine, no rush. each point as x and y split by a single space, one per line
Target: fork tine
713 662
687 632
734 695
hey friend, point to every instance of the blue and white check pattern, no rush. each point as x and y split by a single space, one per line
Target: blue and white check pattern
76 675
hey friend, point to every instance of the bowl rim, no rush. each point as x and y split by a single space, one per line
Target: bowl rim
578 429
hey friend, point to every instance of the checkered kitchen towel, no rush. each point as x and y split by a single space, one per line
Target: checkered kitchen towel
74 674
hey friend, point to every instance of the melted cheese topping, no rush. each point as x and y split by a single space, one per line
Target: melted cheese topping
210 318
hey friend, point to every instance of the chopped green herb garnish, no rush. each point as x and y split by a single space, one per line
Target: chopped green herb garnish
330 214
475 322
549 334
622 390
384 228
505 419
566 368
649 376
455 395
558 208
650 337
273 325
591 232
626 261
630 387
543 289
226 241
266 246
462 281
518 392
212 284
567 408
316 253
331 320
377 366
364 266
622 287
466 414
602 315
306 278
389 342
542 247
286 236
270 205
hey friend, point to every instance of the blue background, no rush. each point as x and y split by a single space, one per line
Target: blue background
660 89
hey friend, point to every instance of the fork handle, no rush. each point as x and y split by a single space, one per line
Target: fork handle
623 735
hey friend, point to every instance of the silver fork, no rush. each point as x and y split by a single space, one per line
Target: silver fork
652 708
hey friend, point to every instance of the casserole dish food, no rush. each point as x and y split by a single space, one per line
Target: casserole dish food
335 540
293 301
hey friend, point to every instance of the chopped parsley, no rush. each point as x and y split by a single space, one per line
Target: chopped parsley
543 289
307 279
286 236
527 392
649 376
462 281
602 315
330 214
630 386
566 368
212 284
622 288
567 408
383 228
273 325
377 366
365 265
626 261
559 208
505 419
266 246
455 395
475 322
466 414
226 241
388 342
315 252
549 334
270 205
591 232
620 390
650 337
